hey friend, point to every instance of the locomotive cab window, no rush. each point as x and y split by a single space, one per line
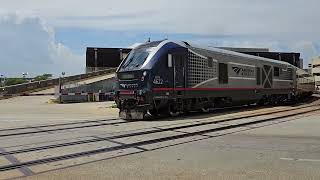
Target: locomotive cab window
135 59
276 71
223 73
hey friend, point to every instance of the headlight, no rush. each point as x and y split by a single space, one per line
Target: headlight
145 73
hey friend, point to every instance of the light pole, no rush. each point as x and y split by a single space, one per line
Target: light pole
60 85
95 59
24 75
2 80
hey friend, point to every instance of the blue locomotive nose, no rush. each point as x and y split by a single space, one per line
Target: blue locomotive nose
132 93
132 87
132 80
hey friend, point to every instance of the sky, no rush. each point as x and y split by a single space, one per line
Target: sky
42 36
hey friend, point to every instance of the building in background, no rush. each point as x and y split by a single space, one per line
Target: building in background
102 58
289 57
308 69
316 70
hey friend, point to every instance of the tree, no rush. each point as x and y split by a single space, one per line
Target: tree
14 81
43 77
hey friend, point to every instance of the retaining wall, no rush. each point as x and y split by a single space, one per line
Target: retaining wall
20 88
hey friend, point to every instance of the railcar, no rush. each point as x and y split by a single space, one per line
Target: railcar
305 83
169 78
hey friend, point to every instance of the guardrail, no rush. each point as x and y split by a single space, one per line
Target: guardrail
26 87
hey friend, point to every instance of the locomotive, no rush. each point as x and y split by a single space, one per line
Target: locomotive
169 78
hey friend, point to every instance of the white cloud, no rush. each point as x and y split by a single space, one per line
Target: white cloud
27 44
179 16
281 25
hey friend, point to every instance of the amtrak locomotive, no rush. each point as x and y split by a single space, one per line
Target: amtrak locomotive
169 78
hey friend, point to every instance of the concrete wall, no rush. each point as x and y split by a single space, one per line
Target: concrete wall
104 86
20 88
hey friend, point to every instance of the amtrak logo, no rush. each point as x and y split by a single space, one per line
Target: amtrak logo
129 86
243 71
236 69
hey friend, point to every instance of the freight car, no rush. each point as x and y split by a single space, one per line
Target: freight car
169 78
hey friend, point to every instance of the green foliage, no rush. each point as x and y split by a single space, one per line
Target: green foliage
43 77
14 81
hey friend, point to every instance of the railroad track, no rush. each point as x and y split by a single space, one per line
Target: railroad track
159 129
217 112
234 123
54 125
3 132
100 123
7 132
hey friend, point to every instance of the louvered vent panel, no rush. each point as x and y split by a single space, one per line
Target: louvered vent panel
198 69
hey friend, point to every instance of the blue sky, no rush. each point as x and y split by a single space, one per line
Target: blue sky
79 38
39 36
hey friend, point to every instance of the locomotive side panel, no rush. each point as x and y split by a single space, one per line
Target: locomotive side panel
223 77
177 77
245 79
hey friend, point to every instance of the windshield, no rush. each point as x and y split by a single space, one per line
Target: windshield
136 58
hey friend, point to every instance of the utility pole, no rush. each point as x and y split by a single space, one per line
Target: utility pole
60 86
95 59
24 75
2 80
60 89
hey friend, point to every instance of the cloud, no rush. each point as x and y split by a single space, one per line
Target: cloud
27 44
279 25
179 16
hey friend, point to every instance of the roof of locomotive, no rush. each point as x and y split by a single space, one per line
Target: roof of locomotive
159 44
237 54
